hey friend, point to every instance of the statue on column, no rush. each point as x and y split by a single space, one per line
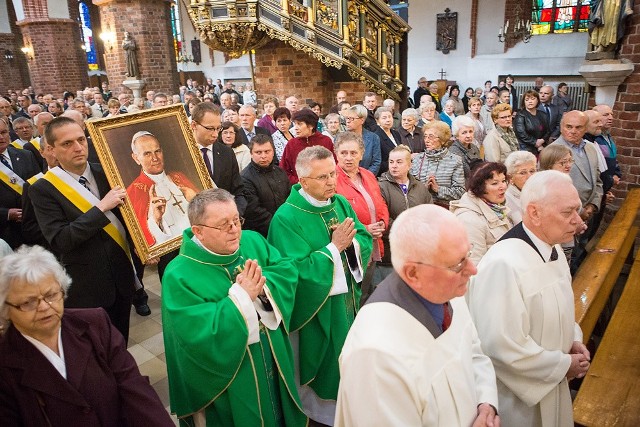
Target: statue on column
607 23
131 62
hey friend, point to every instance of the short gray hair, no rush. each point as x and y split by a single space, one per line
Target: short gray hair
39 117
308 155
343 137
537 187
136 136
427 106
198 205
411 112
360 110
381 110
29 265
517 159
416 233
460 122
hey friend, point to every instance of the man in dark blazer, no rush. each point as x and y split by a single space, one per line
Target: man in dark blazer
102 272
24 166
219 159
247 128
546 95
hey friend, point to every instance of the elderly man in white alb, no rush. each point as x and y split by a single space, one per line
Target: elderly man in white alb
523 306
159 199
412 356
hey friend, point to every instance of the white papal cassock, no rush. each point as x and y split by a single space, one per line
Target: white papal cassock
523 309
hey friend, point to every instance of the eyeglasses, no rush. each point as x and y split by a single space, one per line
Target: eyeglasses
227 227
526 172
430 136
210 129
454 268
33 303
322 178
510 117
350 119
565 163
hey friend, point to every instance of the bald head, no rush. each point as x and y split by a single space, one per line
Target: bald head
41 121
607 116
594 125
76 116
573 126
429 251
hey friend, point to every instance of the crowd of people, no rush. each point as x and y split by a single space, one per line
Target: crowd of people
323 279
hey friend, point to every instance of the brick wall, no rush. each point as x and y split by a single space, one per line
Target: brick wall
13 74
283 71
148 22
626 110
58 62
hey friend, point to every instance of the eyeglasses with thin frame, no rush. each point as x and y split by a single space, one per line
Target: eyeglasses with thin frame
227 227
350 119
565 163
454 268
509 117
322 178
209 128
33 303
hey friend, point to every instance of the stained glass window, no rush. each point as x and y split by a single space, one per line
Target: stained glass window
176 28
559 16
88 43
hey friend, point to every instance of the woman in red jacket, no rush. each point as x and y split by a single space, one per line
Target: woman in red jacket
360 188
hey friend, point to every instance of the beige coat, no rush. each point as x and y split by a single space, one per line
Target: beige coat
483 226
496 148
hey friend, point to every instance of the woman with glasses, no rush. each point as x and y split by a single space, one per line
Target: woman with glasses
64 367
441 171
229 137
482 208
360 188
501 140
560 158
520 166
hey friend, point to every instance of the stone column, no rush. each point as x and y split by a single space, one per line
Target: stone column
56 60
149 23
13 67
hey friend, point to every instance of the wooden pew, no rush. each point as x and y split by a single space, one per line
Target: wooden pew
598 273
610 392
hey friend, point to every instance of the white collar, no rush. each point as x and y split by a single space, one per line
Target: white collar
315 202
158 177
543 247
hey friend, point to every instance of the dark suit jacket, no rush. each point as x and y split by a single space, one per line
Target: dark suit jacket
554 120
95 262
103 387
36 154
256 129
25 166
386 145
31 233
226 173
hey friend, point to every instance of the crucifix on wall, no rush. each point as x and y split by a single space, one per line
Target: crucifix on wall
446 31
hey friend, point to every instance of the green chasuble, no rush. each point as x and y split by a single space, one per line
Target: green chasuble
211 365
302 231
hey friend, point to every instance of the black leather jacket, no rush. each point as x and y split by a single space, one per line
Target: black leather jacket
529 128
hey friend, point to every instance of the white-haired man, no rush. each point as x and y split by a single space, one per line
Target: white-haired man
319 230
412 356
247 117
159 198
523 306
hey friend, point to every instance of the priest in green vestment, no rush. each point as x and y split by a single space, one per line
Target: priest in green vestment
320 231
227 301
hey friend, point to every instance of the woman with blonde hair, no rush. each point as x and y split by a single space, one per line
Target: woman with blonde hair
501 140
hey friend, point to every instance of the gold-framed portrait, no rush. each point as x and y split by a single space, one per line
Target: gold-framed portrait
154 156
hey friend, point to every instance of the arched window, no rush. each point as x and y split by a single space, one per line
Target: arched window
176 28
88 42
559 16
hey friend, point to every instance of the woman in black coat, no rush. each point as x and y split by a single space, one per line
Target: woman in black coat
531 125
